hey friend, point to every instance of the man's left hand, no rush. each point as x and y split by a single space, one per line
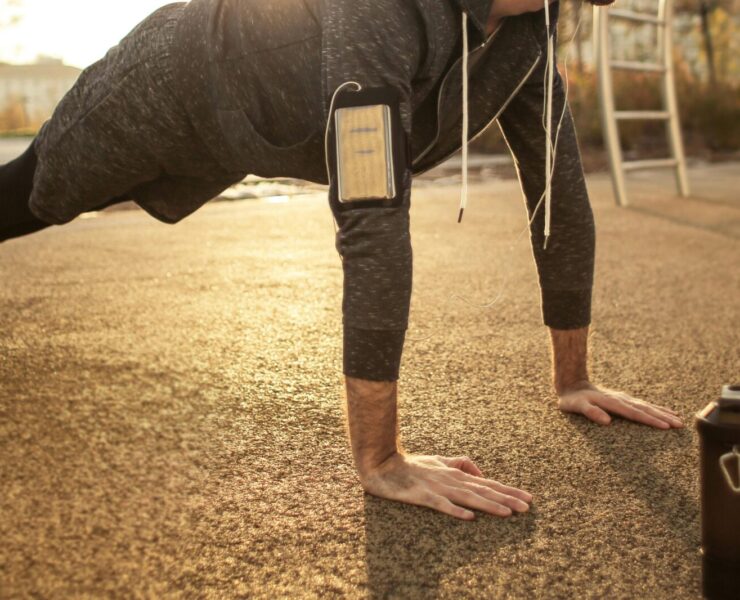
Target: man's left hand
595 403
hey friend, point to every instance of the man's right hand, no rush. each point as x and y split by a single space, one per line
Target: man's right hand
444 484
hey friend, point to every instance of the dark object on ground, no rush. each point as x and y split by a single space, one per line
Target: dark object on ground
719 432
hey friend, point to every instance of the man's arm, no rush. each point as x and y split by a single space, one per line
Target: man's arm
566 267
577 394
374 43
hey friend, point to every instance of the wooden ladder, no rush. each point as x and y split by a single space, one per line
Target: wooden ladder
611 116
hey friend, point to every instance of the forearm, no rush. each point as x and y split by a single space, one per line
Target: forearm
569 358
372 422
377 261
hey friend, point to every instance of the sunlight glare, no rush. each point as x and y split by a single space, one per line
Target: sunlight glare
78 31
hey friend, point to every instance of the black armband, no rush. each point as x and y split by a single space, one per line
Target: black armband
368 151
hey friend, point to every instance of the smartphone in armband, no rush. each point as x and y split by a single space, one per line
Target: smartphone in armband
364 151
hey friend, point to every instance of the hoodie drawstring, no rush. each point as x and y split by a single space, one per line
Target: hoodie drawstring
466 118
548 122
549 150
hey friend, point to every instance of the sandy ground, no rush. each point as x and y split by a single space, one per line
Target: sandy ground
171 420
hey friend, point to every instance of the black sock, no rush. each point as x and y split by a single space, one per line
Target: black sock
16 183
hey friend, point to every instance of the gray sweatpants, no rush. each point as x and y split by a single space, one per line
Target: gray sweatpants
121 130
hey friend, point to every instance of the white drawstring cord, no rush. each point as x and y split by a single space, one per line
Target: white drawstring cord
527 227
466 118
549 162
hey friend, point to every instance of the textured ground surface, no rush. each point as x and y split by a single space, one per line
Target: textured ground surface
171 421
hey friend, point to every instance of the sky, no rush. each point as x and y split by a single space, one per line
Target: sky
78 31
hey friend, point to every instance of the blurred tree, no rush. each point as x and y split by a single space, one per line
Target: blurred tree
705 9
13 115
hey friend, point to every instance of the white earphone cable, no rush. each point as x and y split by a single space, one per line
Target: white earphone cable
358 87
548 85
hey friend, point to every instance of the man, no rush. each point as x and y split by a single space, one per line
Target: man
360 94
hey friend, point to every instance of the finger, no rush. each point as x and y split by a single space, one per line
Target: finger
660 414
504 489
671 413
462 463
444 505
471 468
584 404
639 402
469 498
631 412
490 483
512 502
665 409
595 414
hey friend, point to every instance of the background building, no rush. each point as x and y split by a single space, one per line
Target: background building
29 93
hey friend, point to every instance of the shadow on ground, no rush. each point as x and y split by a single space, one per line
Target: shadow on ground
635 462
412 552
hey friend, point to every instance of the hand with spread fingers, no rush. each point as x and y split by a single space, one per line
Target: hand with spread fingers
597 403
449 485
576 393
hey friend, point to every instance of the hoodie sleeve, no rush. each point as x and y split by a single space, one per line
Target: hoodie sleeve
566 267
376 44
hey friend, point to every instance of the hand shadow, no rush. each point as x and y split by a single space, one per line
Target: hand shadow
633 452
411 550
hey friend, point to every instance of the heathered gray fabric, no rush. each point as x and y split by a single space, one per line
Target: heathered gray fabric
120 129
249 84
566 268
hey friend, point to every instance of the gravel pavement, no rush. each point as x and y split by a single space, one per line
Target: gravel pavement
171 422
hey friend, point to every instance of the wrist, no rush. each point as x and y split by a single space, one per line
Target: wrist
570 359
563 387
371 470
373 460
373 424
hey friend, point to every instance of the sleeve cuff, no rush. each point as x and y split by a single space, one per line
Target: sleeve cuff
373 354
566 309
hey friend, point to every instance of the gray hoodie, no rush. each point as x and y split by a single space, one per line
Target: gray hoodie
258 78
